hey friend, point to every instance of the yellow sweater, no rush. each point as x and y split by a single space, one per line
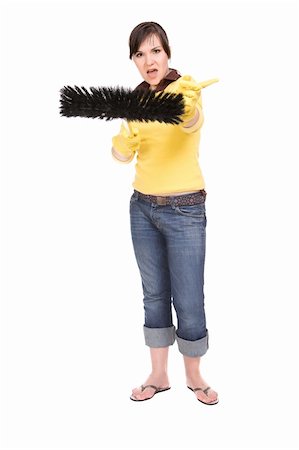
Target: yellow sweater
167 160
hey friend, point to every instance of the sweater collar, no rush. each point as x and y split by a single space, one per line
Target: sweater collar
171 76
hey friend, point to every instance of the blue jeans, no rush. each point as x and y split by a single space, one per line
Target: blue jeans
169 244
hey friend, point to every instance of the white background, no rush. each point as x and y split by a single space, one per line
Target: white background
72 343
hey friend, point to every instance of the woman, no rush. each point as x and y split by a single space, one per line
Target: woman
168 220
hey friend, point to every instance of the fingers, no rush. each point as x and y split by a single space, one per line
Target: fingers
135 131
190 93
186 77
124 131
130 131
190 85
187 84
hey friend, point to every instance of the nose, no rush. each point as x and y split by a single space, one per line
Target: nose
149 59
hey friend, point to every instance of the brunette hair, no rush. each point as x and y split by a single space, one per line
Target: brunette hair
142 31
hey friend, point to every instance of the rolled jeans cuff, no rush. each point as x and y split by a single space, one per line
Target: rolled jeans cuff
193 348
159 337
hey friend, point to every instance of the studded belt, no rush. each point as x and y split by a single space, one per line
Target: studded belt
178 200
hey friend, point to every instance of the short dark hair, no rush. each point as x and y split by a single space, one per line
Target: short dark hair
142 31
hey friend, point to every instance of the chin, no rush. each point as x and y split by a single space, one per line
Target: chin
155 83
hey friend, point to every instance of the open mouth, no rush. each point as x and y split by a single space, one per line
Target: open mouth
151 71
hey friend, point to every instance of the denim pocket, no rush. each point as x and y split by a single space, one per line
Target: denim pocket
198 210
133 198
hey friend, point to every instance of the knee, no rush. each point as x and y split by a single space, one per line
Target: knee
192 329
156 296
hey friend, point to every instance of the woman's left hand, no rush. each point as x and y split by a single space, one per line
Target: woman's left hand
191 92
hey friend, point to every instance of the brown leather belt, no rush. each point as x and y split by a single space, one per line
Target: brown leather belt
177 200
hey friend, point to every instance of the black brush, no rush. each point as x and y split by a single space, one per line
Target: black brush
121 103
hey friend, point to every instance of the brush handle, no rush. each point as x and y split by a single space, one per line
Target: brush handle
130 127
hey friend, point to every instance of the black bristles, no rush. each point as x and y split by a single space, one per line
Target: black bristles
111 103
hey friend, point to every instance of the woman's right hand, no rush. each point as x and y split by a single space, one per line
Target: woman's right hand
126 142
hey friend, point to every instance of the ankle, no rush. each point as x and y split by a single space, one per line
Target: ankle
158 373
193 375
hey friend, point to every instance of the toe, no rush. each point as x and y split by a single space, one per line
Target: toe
138 394
147 393
136 390
135 396
210 397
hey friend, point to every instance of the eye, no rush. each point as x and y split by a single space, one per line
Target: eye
137 55
157 50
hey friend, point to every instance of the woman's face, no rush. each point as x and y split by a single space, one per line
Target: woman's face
151 60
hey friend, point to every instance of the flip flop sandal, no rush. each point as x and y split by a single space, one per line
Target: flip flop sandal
205 392
157 390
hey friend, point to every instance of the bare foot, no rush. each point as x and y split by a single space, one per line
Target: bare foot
159 380
197 381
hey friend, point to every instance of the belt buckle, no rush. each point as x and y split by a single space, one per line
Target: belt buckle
161 201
